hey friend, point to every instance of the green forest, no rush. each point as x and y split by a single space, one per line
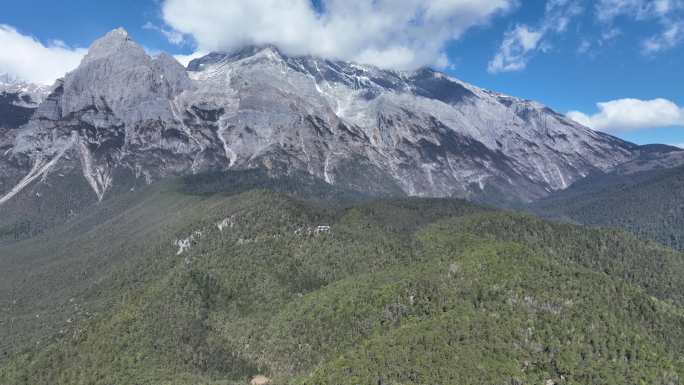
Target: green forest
649 204
192 282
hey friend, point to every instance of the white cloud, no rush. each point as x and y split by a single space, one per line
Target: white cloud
514 51
610 34
521 43
584 47
631 114
401 34
668 13
186 59
28 59
671 36
608 10
680 145
174 37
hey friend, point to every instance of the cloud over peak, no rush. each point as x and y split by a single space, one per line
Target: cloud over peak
400 34
30 60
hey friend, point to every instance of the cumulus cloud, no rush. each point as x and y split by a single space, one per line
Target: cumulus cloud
401 34
521 43
631 114
30 60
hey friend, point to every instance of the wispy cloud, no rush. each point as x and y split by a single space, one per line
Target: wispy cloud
522 42
632 114
174 37
608 10
669 14
584 47
28 59
668 39
515 49
402 34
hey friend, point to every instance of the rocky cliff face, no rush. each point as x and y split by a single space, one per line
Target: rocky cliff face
123 117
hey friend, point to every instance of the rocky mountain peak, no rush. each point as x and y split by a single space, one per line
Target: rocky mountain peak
250 53
125 116
115 43
118 75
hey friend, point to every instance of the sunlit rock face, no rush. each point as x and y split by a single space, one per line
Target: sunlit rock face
123 115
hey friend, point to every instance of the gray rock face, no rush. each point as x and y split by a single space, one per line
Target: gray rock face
651 157
118 75
423 133
18 102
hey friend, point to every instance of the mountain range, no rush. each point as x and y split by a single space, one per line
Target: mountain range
123 119
261 218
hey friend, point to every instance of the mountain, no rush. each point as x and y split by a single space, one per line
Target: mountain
651 157
641 196
430 134
192 281
293 220
18 101
123 119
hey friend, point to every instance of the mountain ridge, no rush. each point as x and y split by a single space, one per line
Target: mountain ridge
644 201
125 116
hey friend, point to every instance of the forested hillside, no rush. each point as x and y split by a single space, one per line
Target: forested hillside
193 282
649 204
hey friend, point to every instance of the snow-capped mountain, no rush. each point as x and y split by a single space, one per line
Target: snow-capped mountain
30 94
18 100
123 117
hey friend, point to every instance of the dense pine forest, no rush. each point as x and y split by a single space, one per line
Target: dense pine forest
649 204
192 282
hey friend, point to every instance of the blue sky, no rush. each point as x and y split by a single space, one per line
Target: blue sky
568 54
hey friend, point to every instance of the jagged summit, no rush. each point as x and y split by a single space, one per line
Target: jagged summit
118 32
118 75
115 42
123 117
424 81
249 51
